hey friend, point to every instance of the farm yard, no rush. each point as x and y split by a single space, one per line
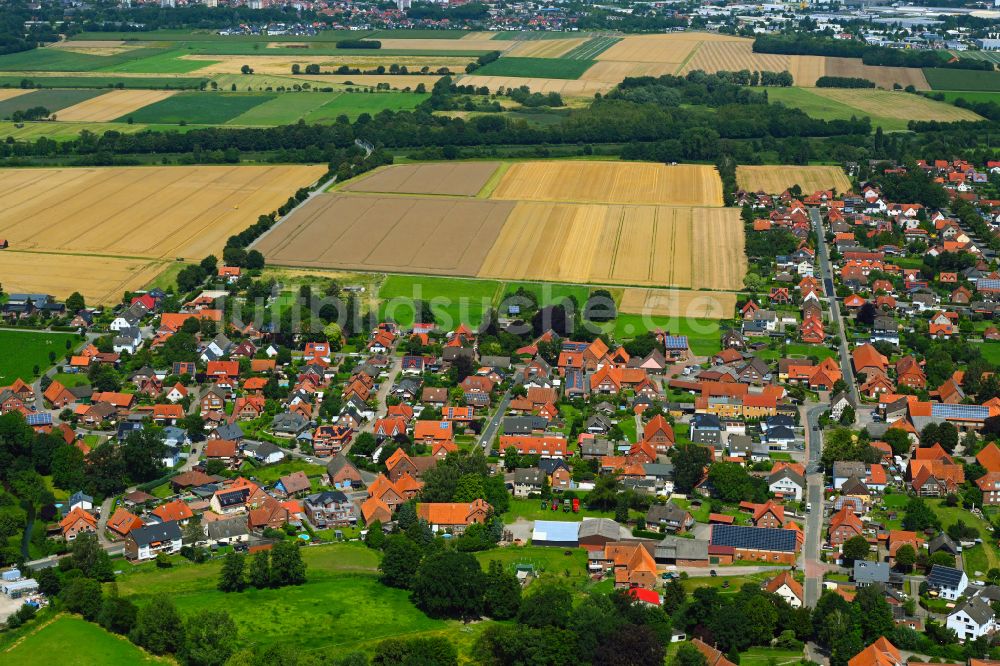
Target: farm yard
543 221
152 212
776 179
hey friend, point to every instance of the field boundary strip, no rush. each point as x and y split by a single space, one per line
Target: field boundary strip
592 48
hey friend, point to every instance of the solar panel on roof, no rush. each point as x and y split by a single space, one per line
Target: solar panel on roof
39 419
944 576
987 284
676 342
972 412
753 538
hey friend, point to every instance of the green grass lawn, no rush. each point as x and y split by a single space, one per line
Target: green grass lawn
530 509
546 561
198 109
342 599
548 68
462 301
53 100
285 109
22 350
703 334
629 428
353 104
975 559
72 641
271 473
548 293
988 557
962 79
990 351
766 656
796 349
69 380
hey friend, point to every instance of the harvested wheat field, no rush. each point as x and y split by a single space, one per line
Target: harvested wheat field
612 182
566 87
396 82
673 48
612 72
732 56
101 280
615 244
884 77
112 105
898 104
543 48
150 212
11 93
395 234
449 178
777 179
678 303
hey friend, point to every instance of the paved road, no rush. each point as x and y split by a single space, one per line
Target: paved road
490 431
826 275
814 495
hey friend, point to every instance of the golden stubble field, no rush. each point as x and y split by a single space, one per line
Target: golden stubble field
682 246
612 182
569 87
112 105
777 179
282 64
623 223
101 280
444 178
444 236
150 212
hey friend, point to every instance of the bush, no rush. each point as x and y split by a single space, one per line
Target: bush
359 44
843 82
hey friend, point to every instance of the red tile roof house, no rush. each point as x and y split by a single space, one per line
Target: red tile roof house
453 517
122 522
77 522
400 464
844 525
329 440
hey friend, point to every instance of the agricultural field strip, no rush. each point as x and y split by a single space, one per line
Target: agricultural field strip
100 279
153 212
678 303
590 49
898 104
112 105
450 178
776 179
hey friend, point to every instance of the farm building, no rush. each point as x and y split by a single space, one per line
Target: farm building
558 533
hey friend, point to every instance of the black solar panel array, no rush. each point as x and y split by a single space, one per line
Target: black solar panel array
754 538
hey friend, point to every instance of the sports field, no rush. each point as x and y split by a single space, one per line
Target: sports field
23 350
561 221
112 105
777 179
612 182
148 212
69 640
454 178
